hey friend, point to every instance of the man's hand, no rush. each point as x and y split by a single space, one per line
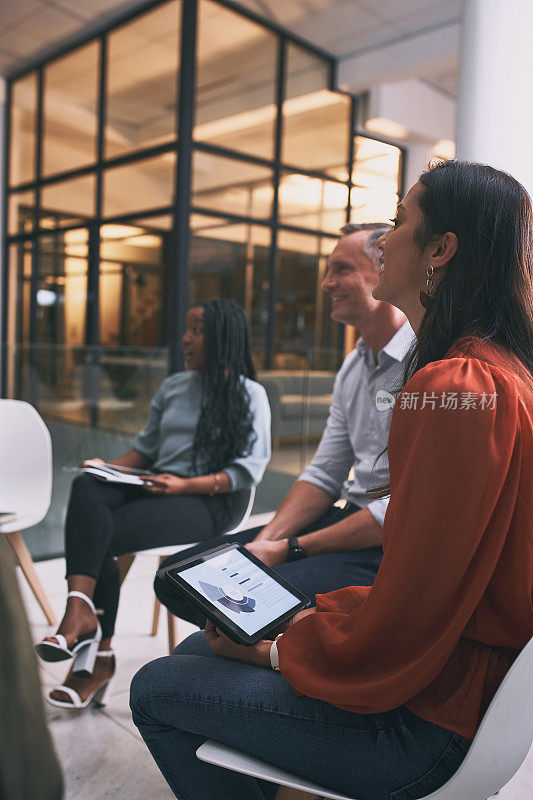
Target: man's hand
165 484
268 551
267 534
258 654
304 505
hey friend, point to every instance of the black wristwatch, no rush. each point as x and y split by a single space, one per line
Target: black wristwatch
296 551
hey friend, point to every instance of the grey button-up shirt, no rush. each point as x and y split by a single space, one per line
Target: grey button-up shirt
166 440
358 424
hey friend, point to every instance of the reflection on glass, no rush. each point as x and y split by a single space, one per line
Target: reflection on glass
70 202
312 203
62 288
235 187
142 67
306 350
18 319
133 276
69 110
231 261
235 83
376 175
305 336
162 222
139 186
22 130
127 379
132 290
21 213
316 121
61 303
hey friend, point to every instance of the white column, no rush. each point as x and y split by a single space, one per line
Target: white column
417 159
495 108
3 168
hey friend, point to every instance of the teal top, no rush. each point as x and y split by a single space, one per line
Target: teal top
166 440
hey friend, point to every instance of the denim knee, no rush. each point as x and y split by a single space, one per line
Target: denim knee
141 685
149 681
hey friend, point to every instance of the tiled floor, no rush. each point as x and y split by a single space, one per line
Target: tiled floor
102 755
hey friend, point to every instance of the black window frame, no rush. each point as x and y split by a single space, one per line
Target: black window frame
184 146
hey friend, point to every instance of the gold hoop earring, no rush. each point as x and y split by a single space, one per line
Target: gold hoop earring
430 271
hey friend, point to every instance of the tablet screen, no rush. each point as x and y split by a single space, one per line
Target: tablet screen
240 589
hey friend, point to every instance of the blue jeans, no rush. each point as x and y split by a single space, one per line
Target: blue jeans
181 700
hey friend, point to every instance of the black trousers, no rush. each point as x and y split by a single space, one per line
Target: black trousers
105 520
315 575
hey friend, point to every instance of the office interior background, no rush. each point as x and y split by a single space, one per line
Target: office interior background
162 153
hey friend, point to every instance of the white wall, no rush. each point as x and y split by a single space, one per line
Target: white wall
3 126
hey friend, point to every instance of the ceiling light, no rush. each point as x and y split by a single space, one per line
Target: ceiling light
77 236
387 127
45 297
263 115
145 240
81 250
118 231
445 148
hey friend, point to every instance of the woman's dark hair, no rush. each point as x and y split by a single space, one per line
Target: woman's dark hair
487 288
224 430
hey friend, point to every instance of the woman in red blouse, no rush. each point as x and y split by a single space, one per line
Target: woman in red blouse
382 688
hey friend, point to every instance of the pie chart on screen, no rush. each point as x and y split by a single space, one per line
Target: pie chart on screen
230 596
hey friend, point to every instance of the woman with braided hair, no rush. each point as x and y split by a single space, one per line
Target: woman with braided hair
207 435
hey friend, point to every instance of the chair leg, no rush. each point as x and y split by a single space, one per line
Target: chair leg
172 631
155 618
22 554
157 608
285 793
124 565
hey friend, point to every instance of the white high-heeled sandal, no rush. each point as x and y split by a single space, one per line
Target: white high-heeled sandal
97 698
84 649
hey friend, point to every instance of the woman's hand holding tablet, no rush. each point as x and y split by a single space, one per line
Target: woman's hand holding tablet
258 654
241 596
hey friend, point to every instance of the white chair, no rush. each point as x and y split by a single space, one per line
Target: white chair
25 484
244 505
496 754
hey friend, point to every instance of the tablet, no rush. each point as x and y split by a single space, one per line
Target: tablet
243 597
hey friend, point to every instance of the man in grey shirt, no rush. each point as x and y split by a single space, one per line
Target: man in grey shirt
310 541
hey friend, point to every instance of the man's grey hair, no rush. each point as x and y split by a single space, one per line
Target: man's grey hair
376 229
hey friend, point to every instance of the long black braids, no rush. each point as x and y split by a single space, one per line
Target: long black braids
224 430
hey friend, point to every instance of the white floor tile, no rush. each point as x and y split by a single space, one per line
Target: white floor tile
100 759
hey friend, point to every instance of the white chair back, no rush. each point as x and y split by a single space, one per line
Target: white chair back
244 501
496 754
25 464
503 739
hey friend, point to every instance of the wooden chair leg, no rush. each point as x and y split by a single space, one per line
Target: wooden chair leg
285 793
124 565
22 554
157 608
155 618
172 631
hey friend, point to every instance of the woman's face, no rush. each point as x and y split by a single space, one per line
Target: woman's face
193 339
403 266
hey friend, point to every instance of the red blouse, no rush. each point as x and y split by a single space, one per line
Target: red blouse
452 603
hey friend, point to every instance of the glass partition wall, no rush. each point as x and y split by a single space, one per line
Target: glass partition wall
191 151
